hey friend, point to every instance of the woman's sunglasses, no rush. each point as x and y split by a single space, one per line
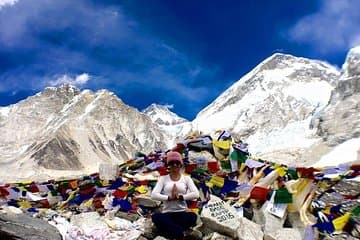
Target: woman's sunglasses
174 163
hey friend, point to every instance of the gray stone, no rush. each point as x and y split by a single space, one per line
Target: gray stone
269 222
23 227
220 217
128 216
249 230
284 233
295 222
146 201
160 238
216 236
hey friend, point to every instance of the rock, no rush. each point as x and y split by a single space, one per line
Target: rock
146 201
269 222
220 217
142 238
216 236
249 230
295 222
284 233
23 227
150 230
160 238
128 216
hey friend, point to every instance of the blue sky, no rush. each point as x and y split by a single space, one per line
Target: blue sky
180 53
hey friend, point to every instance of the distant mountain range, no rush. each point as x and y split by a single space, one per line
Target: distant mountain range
291 110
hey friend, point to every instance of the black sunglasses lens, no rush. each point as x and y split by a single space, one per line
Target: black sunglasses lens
173 163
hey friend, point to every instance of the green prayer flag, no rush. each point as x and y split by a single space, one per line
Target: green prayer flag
283 196
356 211
292 173
225 165
239 156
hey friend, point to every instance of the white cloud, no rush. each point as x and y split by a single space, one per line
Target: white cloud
79 80
169 106
3 3
334 27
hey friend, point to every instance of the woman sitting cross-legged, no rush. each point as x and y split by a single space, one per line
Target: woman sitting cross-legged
173 190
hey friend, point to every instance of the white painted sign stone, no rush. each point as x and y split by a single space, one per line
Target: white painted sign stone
220 217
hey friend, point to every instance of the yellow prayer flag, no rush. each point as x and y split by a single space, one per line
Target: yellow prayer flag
28 182
327 210
281 171
302 183
141 189
222 144
340 222
242 167
217 181
209 184
24 204
88 203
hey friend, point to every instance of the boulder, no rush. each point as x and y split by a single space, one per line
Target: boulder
23 227
220 217
284 233
249 230
268 221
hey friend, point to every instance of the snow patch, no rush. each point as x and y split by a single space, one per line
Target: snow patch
5 111
355 51
294 135
343 153
316 93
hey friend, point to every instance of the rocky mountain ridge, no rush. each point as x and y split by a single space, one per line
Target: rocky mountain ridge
63 131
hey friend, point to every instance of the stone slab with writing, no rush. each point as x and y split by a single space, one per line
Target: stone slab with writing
220 217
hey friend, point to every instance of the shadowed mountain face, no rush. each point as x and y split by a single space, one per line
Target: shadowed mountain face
340 120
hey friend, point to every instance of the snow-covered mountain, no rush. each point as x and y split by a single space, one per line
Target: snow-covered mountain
161 115
293 110
289 109
174 127
339 123
62 131
271 107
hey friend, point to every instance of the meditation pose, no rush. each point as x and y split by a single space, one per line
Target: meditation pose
173 190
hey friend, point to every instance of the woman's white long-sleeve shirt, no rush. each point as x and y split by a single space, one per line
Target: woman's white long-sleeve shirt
163 190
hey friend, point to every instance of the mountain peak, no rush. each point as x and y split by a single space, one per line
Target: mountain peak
351 66
65 89
161 115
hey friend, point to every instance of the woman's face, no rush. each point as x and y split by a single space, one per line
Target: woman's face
174 166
